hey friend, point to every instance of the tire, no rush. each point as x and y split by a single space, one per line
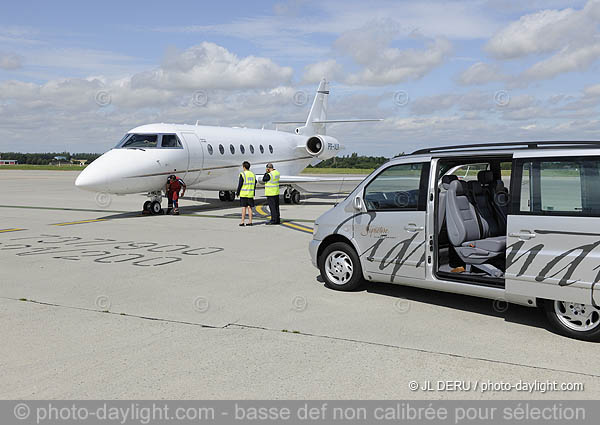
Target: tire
564 315
340 267
287 198
147 206
155 207
231 195
222 195
295 197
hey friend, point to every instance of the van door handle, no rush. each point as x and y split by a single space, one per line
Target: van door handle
411 227
523 234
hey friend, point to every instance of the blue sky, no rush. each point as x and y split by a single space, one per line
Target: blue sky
76 76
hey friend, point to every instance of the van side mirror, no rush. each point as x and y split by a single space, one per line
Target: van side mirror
358 203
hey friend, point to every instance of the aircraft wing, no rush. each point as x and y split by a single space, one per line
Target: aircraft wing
310 179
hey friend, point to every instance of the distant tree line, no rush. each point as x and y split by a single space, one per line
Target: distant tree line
46 158
352 161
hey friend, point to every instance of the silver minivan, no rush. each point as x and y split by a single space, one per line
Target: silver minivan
517 222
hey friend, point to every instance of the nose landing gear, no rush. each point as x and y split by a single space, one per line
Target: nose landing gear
153 206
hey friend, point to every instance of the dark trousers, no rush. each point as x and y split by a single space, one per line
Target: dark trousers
274 208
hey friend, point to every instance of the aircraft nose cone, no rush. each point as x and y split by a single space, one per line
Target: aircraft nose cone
90 179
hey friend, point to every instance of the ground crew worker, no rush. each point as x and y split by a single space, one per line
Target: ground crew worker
174 185
271 181
245 190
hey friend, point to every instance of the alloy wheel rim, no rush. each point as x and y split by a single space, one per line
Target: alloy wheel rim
577 317
339 267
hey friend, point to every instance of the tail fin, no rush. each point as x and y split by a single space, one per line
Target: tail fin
318 111
317 117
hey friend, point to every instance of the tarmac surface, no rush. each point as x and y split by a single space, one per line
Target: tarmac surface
98 301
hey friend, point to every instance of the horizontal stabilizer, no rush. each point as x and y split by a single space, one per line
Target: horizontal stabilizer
349 120
329 121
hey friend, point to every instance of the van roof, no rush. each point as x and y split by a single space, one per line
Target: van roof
508 147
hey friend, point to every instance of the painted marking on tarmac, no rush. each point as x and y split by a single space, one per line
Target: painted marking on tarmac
61 209
10 230
260 210
298 227
69 223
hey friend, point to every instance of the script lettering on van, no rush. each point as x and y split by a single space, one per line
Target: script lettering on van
398 254
374 232
576 255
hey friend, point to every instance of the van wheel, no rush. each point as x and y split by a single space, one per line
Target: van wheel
579 321
340 267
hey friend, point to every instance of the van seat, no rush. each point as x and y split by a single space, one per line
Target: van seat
464 231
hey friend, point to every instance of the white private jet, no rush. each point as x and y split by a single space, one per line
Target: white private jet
209 158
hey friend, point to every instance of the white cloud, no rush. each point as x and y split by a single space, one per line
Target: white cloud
329 69
382 64
570 36
430 104
593 90
541 32
10 61
209 66
480 73
567 60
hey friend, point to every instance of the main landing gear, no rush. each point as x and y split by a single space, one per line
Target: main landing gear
227 195
291 196
153 206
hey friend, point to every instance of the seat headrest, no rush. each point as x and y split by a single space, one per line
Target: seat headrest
499 186
458 186
475 187
446 180
485 177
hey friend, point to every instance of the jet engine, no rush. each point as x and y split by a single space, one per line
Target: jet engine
323 146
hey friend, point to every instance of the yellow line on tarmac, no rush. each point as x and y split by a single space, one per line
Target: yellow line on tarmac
295 226
261 211
10 230
79 222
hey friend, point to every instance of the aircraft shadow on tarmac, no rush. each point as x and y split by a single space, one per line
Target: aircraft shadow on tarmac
195 205
510 312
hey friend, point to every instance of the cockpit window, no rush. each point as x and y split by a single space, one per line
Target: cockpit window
170 141
141 141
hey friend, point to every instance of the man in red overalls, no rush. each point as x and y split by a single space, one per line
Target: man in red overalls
174 185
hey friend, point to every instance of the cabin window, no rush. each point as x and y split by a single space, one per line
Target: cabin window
170 141
232 149
141 141
270 148
242 149
262 150
252 149
210 149
221 149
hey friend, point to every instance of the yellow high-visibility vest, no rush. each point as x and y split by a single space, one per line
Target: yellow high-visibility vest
272 186
247 190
